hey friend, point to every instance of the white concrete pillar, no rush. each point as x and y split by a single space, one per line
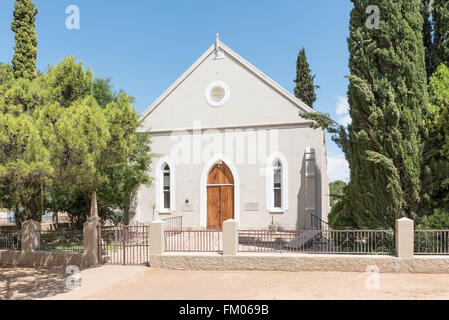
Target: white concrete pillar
230 238
310 196
91 256
157 237
405 230
31 236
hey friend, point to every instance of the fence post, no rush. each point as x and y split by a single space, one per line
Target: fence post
31 236
157 237
230 238
405 231
90 241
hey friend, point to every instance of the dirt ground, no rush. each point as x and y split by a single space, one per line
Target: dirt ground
142 283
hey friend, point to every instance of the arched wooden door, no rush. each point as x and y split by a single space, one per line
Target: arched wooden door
220 196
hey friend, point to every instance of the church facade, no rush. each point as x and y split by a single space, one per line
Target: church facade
231 144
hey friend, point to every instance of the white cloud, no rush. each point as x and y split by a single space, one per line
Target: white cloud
342 105
345 121
337 168
343 111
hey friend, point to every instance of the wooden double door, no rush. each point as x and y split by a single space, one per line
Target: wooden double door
220 196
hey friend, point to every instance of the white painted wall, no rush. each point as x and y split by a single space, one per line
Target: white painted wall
252 183
254 102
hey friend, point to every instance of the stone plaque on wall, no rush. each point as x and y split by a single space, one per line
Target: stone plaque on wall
252 206
187 207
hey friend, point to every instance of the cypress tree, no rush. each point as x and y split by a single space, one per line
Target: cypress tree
25 49
427 35
387 97
305 88
440 13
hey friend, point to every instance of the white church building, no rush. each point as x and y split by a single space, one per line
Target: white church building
231 145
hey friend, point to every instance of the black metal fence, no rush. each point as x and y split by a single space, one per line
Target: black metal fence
62 240
431 242
193 240
10 239
318 241
127 245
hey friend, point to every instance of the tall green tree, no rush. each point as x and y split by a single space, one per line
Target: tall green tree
388 106
426 10
305 87
336 189
440 14
25 169
6 74
25 49
436 180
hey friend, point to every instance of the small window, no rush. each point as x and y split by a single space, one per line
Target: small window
277 184
217 93
166 186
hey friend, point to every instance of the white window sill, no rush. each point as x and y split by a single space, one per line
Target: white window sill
277 211
165 212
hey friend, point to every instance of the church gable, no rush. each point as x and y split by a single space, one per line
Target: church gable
223 90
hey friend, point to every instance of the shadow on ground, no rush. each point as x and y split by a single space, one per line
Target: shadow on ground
28 284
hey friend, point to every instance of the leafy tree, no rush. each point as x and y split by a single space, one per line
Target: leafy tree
103 92
336 189
388 104
25 49
25 170
66 83
438 220
84 147
305 88
95 145
436 182
125 177
440 13
6 74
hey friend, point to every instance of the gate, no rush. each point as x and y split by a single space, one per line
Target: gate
126 245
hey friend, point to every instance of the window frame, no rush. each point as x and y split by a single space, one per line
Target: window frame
161 186
271 165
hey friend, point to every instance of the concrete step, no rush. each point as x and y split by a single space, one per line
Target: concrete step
303 240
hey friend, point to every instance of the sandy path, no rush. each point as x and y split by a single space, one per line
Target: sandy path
142 283
254 285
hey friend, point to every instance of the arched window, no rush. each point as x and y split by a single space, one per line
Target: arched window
166 187
277 183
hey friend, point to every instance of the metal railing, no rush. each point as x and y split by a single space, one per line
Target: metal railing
10 239
174 223
124 244
318 224
431 242
193 240
318 241
62 240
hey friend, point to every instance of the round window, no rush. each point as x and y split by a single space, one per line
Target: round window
217 93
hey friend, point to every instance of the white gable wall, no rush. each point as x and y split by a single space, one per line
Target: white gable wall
252 101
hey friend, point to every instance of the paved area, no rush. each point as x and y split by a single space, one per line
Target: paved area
29 283
142 283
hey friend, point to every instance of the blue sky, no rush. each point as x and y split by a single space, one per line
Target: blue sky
146 45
